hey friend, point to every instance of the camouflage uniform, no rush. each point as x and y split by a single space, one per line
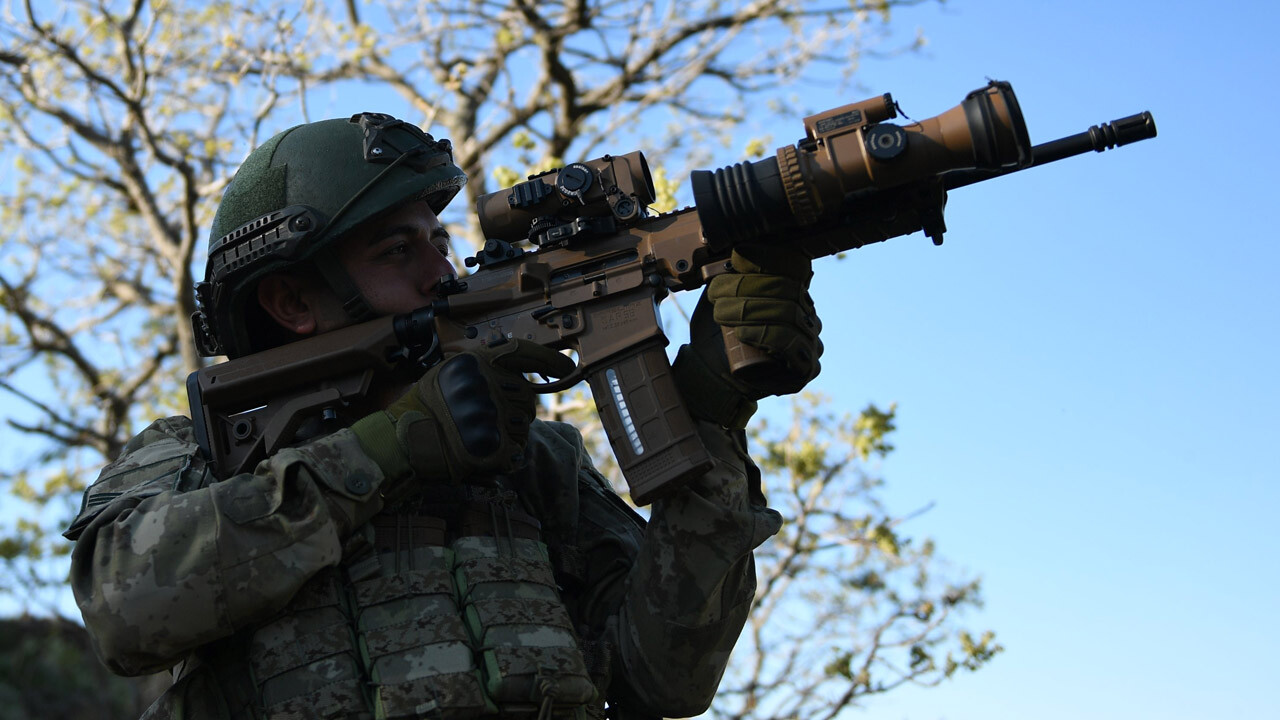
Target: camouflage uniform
290 592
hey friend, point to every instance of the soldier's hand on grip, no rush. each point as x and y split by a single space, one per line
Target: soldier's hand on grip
765 301
468 415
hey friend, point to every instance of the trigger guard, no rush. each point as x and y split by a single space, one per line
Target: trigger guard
578 375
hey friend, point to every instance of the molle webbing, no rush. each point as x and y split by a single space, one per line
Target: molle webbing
302 662
525 639
412 640
452 619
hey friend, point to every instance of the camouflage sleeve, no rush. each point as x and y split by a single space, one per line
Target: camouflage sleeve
675 594
167 559
691 588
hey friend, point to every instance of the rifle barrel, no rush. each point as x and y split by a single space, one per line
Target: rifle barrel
1097 138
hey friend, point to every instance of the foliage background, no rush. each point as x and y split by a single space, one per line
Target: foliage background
122 122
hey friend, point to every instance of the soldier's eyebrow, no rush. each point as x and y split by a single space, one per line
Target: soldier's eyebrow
437 233
404 229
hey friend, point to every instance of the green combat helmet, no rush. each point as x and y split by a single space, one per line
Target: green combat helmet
292 199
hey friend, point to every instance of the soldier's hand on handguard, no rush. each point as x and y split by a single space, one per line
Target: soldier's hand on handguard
765 301
468 415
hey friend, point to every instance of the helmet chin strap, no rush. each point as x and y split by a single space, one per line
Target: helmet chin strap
339 281
330 267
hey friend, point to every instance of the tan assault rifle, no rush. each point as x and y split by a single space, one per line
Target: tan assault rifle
602 264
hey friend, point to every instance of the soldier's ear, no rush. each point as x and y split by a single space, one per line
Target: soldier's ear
291 301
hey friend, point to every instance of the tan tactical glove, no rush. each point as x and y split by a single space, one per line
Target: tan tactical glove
765 300
468 415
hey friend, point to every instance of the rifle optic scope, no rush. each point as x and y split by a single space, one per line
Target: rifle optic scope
851 148
612 186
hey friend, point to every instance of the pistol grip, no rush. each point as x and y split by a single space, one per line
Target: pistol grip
653 437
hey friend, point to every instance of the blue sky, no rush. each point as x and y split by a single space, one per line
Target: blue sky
1086 369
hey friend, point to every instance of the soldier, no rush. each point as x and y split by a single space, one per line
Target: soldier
444 555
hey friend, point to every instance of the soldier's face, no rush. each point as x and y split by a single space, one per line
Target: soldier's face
398 261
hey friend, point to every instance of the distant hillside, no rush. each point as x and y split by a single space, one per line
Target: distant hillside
48 672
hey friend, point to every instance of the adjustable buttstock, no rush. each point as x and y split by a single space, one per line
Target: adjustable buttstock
248 408
648 426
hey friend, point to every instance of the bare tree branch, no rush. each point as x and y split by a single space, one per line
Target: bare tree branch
124 130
